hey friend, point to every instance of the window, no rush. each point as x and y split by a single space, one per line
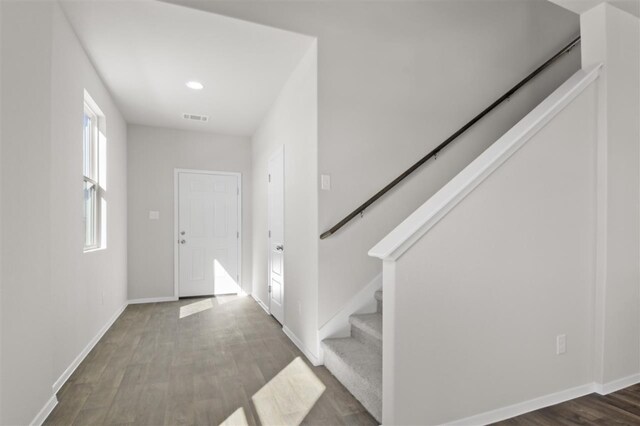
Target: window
93 176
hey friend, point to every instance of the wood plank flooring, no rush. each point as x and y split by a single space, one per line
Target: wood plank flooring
154 368
617 408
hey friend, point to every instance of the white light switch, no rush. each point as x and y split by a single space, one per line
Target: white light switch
154 215
325 182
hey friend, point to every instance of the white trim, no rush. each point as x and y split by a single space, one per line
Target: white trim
176 232
546 401
176 225
442 202
82 355
524 407
616 385
261 304
599 293
279 151
98 141
389 342
45 411
93 105
338 326
152 300
312 358
93 250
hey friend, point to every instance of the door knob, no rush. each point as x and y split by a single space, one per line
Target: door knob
183 241
182 232
279 247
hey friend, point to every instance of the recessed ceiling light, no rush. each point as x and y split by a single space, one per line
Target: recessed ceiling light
195 85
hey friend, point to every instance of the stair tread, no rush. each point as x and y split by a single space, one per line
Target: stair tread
364 361
378 295
368 323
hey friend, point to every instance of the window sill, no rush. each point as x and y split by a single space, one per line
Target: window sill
92 250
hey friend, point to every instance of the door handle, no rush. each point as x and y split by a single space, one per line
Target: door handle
183 241
280 247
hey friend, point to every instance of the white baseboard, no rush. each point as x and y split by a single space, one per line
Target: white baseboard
547 400
524 407
616 385
82 355
44 413
311 357
338 326
153 300
261 303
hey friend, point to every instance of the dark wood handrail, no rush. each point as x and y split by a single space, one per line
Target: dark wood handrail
450 139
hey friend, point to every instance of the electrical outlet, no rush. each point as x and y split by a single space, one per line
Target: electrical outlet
561 344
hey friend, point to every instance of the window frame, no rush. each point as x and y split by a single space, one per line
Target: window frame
91 175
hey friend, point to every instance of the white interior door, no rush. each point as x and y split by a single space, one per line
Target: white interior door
275 207
208 234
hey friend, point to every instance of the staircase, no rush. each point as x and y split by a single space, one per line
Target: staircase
356 361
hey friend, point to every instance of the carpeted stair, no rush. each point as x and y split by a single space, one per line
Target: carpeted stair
356 361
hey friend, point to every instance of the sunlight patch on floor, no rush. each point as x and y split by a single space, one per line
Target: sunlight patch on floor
195 307
289 396
226 299
237 418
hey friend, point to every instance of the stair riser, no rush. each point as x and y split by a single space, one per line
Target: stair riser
350 380
366 338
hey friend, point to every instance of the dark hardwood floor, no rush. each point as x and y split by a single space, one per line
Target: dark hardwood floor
225 357
618 408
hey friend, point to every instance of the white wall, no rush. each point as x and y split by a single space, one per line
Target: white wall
153 154
291 122
612 36
27 341
480 298
1 226
87 288
394 80
51 292
375 124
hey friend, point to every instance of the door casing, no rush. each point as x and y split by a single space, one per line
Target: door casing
279 152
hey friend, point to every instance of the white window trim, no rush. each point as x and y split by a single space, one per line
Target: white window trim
92 109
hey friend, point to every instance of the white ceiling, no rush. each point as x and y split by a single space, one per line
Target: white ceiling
146 51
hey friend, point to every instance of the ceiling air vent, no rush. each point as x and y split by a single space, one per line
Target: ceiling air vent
195 117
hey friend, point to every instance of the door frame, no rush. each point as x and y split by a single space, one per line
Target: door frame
176 223
278 151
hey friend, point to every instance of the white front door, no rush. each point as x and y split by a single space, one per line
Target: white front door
275 207
208 234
